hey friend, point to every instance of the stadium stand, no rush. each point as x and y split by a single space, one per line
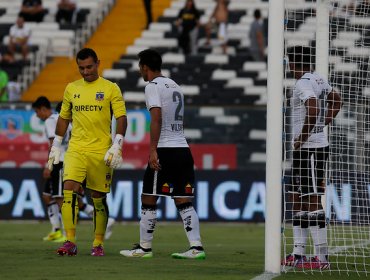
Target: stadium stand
105 23
49 39
225 93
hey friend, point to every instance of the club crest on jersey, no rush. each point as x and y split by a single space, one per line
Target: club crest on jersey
99 96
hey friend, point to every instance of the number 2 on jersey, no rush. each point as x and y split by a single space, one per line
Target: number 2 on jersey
176 96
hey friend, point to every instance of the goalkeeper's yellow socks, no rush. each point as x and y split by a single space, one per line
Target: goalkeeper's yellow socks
69 214
101 214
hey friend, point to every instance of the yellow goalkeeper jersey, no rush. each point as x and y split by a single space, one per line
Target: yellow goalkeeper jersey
90 106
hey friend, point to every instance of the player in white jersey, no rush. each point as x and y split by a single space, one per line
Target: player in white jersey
53 188
52 194
170 170
314 104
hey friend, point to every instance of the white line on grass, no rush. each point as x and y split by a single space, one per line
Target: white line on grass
266 276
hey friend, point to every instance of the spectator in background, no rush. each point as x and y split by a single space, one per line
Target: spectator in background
148 12
6 58
347 9
14 90
18 38
257 39
4 79
32 10
66 11
363 8
219 18
356 7
187 23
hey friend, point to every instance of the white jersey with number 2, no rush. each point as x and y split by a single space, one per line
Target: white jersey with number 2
164 93
310 85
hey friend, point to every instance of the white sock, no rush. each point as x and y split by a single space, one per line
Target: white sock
88 210
147 225
320 240
53 213
300 236
191 224
319 234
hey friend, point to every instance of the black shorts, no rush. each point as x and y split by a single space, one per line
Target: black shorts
54 184
176 177
309 168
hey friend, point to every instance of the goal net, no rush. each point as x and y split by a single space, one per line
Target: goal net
346 201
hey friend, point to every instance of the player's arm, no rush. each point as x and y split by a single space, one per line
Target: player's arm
113 157
62 126
155 132
121 126
213 15
46 172
260 43
312 111
178 20
334 104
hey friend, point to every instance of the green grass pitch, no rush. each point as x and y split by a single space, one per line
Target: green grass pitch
234 251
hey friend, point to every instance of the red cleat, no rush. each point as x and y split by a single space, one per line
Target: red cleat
291 260
97 251
68 248
315 263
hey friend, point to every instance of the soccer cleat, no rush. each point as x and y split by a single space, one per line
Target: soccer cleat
68 248
56 236
108 231
60 240
314 263
193 253
291 260
97 251
137 252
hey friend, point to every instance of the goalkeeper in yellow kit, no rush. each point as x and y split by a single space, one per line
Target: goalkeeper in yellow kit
89 103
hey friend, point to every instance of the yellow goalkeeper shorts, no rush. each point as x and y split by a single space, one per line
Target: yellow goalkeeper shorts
79 165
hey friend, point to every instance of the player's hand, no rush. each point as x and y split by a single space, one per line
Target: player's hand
154 161
297 144
55 151
46 172
113 157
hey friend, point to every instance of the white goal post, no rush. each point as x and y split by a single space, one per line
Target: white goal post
274 141
338 33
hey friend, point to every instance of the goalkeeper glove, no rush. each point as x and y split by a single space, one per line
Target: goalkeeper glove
55 151
113 157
